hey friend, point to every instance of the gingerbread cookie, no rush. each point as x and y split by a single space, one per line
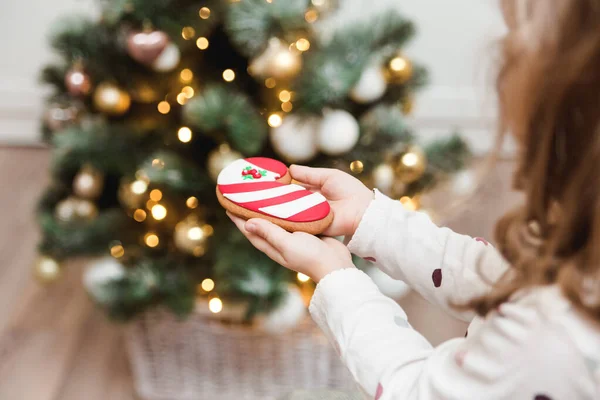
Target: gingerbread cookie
261 187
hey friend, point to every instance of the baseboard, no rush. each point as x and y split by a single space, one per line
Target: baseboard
21 107
438 112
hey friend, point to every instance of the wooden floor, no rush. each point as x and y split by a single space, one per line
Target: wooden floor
54 345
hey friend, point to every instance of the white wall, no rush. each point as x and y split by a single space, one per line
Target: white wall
23 50
455 40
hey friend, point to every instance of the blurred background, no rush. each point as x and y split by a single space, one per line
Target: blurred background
56 341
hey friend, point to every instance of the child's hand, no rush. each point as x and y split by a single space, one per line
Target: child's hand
348 197
297 251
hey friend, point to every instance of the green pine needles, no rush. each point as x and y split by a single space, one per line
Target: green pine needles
152 99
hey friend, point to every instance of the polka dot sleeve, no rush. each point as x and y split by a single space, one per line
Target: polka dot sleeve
517 353
443 266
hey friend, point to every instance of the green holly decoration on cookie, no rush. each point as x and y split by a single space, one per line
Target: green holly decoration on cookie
251 174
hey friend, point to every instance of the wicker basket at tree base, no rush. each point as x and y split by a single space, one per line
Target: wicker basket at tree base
201 359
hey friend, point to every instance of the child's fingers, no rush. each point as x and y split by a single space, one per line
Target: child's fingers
265 247
311 176
314 189
271 233
257 241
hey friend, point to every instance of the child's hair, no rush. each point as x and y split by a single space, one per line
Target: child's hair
549 100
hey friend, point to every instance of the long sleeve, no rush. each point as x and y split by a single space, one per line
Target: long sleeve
518 353
443 266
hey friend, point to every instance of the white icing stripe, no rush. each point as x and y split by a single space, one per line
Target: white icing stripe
233 173
294 207
246 197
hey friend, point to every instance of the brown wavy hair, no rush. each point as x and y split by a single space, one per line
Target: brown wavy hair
549 100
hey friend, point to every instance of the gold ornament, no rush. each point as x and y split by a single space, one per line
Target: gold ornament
111 99
78 83
286 64
191 235
357 166
399 70
74 209
219 158
132 194
409 165
278 61
46 269
88 183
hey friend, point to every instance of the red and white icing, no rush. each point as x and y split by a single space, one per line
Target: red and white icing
252 184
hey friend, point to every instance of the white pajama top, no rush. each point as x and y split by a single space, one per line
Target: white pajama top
535 347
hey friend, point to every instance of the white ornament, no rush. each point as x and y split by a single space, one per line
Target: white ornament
258 284
390 287
286 316
168 59
370 86
296 138
338 132
100 273
383 178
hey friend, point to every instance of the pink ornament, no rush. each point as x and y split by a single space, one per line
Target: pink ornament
146 46
77 82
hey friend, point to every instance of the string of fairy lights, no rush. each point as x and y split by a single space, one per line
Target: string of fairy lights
279 63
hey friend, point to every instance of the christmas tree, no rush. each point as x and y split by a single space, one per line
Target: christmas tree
152 100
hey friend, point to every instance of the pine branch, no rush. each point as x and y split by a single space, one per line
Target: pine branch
147 284
166 15
251 23
221 109
243 274
385 120
174 172
101 144
79 37
78 238
54 75
331 71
